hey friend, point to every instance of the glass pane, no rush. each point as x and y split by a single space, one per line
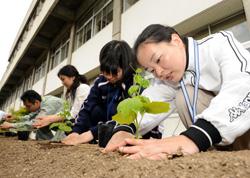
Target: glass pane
107 14
87 32
79 38
241 32
63 53
57 58
52 62
128 3
98 22
43 68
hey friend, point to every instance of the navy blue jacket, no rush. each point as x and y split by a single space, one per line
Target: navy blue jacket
103 95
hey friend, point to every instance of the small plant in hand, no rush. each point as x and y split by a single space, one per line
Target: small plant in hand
18 114
17 117
128 109
65 124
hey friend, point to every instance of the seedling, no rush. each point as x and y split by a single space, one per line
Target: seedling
17 117
18 114
65 124
128 109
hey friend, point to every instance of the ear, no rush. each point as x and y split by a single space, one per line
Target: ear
37 102
176 40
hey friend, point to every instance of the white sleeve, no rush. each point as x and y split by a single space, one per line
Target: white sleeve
2 115
229 111
156 92
81 94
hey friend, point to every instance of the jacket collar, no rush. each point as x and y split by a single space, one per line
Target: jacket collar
190 55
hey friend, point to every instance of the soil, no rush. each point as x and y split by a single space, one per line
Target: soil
44 159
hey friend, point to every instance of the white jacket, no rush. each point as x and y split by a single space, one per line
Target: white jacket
225 71
81 94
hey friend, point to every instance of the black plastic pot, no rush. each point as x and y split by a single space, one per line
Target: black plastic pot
105 132
23 135
10 134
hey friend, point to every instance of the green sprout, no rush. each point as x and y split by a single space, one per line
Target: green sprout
17 117
65 124
18 114
128 109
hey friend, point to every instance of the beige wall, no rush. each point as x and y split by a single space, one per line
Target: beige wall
38 86
53 81
146 12
86 57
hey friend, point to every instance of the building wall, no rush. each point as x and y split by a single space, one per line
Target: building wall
38 86
86 57
53 81
146 12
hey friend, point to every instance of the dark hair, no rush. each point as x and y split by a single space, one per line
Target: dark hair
117 54
155 33
71 71
31 96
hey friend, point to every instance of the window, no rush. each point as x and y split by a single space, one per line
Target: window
40 72
87 31
94 21
241 32
236 24
59 53
104 17
128 3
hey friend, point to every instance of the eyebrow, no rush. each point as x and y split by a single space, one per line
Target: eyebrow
152 57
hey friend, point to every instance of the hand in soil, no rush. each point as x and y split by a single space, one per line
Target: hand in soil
75 138
158 149
117 140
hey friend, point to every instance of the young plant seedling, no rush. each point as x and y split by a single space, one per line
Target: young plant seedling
128 109
65 124
18 114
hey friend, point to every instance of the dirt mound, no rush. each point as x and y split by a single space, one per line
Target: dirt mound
42 159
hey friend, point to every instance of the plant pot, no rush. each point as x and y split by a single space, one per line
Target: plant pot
105 132
23 135
10 134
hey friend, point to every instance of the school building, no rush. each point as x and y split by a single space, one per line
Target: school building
59 32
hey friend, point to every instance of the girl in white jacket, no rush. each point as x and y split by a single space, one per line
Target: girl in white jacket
77 91
213 77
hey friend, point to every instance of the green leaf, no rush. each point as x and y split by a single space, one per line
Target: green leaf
124 120
138 79
127 110
156 107
130 104
133 90
68 123
64 127
143 99
53 125
138 70
145 83
65 113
